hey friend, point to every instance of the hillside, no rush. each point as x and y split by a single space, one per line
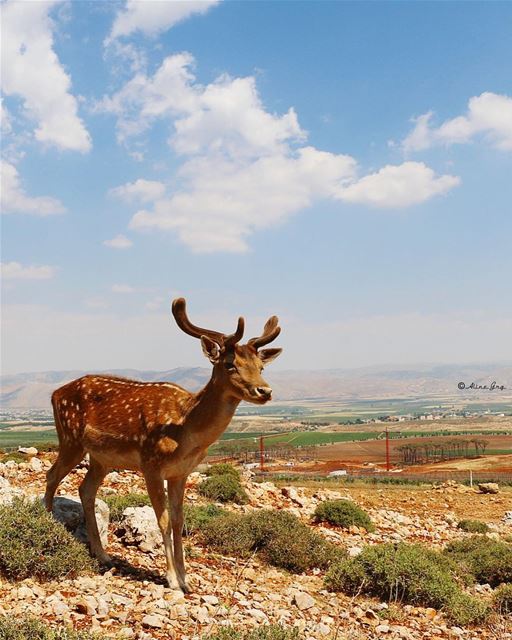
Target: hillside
33 390
132 601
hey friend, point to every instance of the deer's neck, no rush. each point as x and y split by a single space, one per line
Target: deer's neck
211 413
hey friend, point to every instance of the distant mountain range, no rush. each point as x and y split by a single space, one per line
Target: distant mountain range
33 390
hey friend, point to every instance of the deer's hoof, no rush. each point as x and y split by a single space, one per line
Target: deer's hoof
184 587
104 559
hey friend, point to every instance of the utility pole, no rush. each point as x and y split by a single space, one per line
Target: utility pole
388 465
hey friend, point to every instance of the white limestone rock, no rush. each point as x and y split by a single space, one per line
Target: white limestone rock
69 511
138 526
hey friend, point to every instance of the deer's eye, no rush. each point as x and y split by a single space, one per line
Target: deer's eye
230 366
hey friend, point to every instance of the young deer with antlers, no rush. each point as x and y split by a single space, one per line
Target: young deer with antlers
157 428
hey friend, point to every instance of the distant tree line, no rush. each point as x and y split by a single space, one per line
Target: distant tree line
437 451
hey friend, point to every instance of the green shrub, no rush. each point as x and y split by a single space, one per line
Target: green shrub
270 632
48 446
33 544
15 456
343 513
488 561
398 572
222 469
223 488
196 517
118 503
462 609
473 526
284 541
280 538
229 534
34 629
408 573
502 599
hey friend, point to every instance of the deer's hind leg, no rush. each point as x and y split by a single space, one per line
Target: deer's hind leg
69 456
88 490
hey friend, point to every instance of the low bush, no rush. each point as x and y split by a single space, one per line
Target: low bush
15 456
48 446
280 538
488 561
118 503
34 629
270 632
502 599
473 526
223 488
33 544
286 542
229 534
407 573
343 513
222 469
462 609
196 517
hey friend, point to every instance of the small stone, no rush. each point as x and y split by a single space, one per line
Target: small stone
489 487
210 600
303 600
257 615
153 621
35 464
28 451
201 614
382 628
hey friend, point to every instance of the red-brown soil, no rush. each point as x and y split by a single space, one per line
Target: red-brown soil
375 450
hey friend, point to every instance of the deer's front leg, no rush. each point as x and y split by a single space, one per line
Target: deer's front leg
156 493
176 490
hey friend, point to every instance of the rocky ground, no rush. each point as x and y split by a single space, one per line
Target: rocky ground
131 600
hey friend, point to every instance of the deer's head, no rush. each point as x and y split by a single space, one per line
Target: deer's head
237 367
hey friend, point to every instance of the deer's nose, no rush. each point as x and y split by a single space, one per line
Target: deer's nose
265 392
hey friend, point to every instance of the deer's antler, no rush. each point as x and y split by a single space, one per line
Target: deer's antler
270 332
180 315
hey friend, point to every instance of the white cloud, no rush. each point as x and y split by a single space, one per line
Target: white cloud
32 70
223 201
228 115
15 200
399 186
119 242
5 119
122 288
153 18
17 271
139 191
488 115
244 168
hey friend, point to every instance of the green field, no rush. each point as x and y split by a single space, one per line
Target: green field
26 438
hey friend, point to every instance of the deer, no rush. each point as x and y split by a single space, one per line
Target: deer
157 428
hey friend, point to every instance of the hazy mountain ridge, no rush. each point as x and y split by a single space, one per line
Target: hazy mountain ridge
33 389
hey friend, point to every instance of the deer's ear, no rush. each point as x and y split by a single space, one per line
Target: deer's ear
267 355
210 349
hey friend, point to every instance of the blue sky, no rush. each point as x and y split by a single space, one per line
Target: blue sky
344 165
